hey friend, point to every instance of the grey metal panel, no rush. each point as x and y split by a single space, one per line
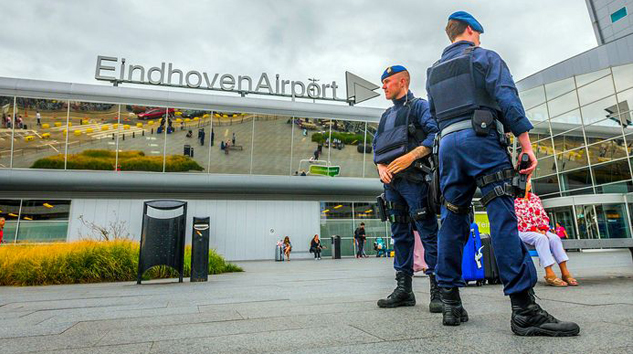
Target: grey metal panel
183 183
618 52
601 243
611 198
178 99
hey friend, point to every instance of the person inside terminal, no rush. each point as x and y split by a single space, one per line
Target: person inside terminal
473 97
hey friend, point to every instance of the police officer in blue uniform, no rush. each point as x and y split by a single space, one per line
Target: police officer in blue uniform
404 137
474 99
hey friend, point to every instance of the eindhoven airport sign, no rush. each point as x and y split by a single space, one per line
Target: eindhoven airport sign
358 89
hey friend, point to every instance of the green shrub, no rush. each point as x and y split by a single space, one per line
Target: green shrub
87 262
128 160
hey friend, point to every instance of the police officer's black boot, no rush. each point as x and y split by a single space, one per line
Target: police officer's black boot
435 305
529 319
402 295
453 312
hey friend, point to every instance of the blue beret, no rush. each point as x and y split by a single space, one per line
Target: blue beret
464 16
392 70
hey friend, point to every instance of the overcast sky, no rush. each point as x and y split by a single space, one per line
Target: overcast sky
60 40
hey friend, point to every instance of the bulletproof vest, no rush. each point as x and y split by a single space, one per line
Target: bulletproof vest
396 141
454 90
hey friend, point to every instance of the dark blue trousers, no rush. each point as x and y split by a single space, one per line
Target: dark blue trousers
463 157
413 195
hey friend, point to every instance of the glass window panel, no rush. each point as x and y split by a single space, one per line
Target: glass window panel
370 168
572 117
309 144
336 210
620 187
92 136
558 88
572 159
346 152
625 101
39 145
271 145
607 150
575 179
567 121
565 217
543 148
545 167
623 76
545 185
583 191
601 110
587 222
597 133
562 104
185 152
144 151
43 220
10 211
366 211
532 97
6 131
612 172
596 90
569 140
336 219
584 79
237 158
612 221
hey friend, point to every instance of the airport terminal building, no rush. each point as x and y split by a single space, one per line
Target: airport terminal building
79 160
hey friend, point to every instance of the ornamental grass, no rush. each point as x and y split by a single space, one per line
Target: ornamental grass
87 262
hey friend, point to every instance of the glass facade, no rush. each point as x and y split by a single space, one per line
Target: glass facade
75 135
34 220
582 134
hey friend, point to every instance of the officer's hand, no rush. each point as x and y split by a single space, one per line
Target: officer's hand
528 171
401 163
383 172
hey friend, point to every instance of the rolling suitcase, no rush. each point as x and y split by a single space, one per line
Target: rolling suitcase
491 270
279 253
472 260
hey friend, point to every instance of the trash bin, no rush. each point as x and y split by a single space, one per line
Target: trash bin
336 247
163 236
188 150
200 250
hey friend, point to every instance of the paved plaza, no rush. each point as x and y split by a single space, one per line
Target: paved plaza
307 306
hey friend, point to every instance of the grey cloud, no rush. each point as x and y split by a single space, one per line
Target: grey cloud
298 39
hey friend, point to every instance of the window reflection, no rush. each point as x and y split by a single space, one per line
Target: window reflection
571 159
346 149
600 111
587 222
309 146
570 140
565 217
370 168
6 131
612 221
237 158
623 76
532 97
607 150
189 134
546 166
143 149
575 179
545 185
40 133
585 79
10 211
596 90
562 104
612 172
92 136
558 88
43 221
272 144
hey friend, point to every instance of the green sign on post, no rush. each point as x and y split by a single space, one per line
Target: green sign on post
331 171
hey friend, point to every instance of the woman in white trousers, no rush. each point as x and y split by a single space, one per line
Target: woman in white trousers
534 231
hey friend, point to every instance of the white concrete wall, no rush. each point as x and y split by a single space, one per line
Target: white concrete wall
240 229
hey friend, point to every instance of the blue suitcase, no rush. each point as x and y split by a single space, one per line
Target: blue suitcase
473 258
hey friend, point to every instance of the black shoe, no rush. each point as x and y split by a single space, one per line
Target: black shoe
435 305
402 295
453 312
529 319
